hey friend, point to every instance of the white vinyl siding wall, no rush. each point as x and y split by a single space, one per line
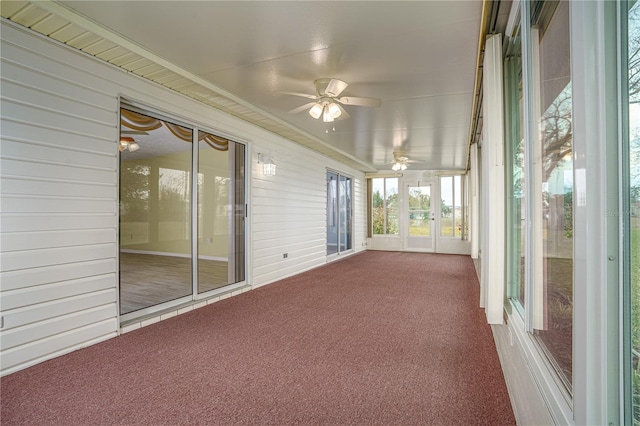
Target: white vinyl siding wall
59 207
289 211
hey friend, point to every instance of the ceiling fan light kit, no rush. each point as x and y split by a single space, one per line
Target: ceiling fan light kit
326 102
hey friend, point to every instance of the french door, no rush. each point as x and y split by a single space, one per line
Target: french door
420 218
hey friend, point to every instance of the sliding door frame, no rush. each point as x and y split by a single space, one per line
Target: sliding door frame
194 297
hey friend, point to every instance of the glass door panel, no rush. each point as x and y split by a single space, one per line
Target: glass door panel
345 213
221 218
155 212
332 213
420 217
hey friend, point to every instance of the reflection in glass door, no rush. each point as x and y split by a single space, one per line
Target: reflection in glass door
339 213
420 218
221 212
166 257
155 212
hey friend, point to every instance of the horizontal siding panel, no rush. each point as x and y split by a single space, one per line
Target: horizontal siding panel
15 204
32 132
56 221
44 99
14 261
44 311
46 187
67 90
286 215
65 323
20 298
63 342
300 208
68 71
55 171
51 154
288 241
14 241
269 273
291 225
14 280
57 119
271 235
294 251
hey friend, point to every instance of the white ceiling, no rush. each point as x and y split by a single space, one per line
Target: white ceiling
419 57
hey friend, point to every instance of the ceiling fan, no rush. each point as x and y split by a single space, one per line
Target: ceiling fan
400 161
327 104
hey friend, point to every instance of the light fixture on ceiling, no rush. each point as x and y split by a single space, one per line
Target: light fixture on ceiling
327 102
268 166
127 142
399 166
327 109
400 161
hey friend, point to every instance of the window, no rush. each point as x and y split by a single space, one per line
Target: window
339 213
631 216
384 206
552 185
515 173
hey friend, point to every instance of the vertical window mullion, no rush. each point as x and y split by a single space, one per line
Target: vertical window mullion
194 211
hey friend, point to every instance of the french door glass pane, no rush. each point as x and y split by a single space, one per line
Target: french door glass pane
457 205
220 212
155 212
446 206
553 287
420 211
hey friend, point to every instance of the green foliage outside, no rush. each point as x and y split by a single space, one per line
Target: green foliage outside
635 313
378 214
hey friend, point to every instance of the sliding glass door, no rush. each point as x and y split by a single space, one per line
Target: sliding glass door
181 221
339 213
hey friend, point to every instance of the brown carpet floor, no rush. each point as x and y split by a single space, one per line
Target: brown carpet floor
378 338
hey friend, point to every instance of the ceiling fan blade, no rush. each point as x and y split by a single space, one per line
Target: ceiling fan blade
302 108
304 95
368 102
335 87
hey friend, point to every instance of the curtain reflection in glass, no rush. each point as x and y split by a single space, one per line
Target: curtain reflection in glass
220 212
155 213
